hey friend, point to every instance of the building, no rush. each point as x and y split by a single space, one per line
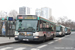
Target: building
38 12
24 10
44 12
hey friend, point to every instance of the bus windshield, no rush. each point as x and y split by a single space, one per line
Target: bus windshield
26 25
58 29
65 29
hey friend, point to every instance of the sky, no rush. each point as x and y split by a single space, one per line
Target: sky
59 8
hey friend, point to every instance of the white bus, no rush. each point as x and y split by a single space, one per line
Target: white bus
60 30
34 28
67 30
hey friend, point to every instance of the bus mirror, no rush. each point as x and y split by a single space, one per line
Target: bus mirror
52 30
37 30
20 20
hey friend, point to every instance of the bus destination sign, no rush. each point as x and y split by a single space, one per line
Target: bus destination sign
27 17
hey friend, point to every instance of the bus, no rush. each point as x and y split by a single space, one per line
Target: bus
34 28
67 30
60 30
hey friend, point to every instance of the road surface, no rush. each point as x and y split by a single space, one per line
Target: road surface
59 43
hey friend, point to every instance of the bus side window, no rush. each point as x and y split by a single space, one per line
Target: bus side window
38 25
41 25
50 28
60 28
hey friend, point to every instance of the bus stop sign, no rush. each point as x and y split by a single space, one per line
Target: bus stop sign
10 18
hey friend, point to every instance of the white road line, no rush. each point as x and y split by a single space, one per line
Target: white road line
35 49
56 40
62 38
67 35
5 48
42 46
51 42
59 39
21 48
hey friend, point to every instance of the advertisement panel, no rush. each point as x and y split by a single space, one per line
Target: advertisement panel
3 29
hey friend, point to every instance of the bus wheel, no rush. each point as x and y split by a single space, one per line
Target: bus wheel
44 39
62 35
52 37
69 33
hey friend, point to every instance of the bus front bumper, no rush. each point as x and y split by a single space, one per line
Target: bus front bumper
58 34
29 38
68 33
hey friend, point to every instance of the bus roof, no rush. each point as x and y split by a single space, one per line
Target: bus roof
60 25
41 18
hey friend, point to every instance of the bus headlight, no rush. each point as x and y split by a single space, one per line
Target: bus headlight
36 34
16 36
60 33
65 32
16 33
36 37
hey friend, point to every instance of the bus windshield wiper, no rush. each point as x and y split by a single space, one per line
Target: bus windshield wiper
57 31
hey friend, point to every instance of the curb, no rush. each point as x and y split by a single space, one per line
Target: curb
8 43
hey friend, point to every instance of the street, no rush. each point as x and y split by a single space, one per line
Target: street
59 43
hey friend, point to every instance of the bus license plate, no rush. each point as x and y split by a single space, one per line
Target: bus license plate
25 39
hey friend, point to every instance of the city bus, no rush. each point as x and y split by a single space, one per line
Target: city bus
60 30
34 28
67 30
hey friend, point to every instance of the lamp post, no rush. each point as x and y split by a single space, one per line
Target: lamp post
10 19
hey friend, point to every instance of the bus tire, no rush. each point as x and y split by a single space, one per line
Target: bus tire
44 38
52 37
62 35
69 33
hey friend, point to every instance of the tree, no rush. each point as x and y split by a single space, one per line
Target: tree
62 20
3 14
52 19
13 13
66 22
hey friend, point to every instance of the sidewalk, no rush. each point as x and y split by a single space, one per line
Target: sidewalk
6 40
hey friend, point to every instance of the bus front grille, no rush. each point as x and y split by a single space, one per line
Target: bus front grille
23 34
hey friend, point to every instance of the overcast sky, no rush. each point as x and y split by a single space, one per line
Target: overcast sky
59 8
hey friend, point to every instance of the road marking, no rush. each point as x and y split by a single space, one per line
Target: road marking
50 42
42 46
27 45
6 48
59 38
35 49
21 48
63 37
67 35
56 40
